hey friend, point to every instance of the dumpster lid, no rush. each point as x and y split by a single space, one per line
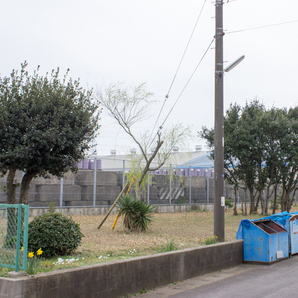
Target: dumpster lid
281 218
293 217
269 226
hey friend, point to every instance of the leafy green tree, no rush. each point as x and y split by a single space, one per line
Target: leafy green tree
274 127
46 127
250 151
288 158
261 152
244 143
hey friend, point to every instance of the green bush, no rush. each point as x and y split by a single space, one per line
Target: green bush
181 200
228 203
137 214
55 233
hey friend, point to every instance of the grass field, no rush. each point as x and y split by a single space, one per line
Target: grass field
168 231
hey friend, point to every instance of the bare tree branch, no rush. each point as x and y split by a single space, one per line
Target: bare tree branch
129 106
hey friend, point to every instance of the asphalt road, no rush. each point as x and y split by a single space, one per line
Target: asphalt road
277 280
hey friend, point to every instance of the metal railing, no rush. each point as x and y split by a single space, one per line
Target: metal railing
14 236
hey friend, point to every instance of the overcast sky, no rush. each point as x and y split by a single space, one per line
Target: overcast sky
137 41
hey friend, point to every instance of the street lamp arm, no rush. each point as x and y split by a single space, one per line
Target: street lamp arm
234 64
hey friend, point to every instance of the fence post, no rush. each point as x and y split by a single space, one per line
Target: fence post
207 190
61 192
171 176
123 176
19 226
148 189
25 235
95 180
190 185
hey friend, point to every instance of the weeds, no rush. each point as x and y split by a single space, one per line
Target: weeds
143 291
170 246
211 240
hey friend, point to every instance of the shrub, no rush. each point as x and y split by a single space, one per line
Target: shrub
137 214
228 203
181 200
55 233
142 217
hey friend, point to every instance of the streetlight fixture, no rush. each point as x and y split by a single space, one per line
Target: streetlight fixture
234 64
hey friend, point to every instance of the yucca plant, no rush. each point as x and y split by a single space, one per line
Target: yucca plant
137 214
127 207
143 216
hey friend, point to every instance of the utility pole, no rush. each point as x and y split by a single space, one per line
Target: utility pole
219 200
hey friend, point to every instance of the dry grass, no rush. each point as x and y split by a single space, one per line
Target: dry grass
187 229
168 231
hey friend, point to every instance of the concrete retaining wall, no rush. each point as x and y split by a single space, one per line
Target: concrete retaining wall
124 277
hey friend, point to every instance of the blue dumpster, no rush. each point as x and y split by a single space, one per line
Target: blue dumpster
264 241
290 222
293 234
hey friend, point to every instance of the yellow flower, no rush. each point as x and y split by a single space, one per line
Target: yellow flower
30 254
22 248
39 252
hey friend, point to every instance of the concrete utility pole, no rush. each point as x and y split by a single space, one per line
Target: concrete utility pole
219 200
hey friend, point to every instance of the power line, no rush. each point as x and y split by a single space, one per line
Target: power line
174 78
190 38
161 126
261 27
187 83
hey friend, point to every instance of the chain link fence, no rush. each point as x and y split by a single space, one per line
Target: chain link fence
14 236
99 188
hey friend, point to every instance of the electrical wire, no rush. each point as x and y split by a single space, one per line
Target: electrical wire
187 82
161 126
174 78
261 27
190 38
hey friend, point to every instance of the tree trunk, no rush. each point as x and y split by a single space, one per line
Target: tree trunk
268 196
257 204
294 197
286 202
274 200
11 229
282 199
245 206
262 200
235 201
11 186
289 199
252 203
242 205
25 185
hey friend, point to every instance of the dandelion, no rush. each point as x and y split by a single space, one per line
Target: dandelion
30 254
